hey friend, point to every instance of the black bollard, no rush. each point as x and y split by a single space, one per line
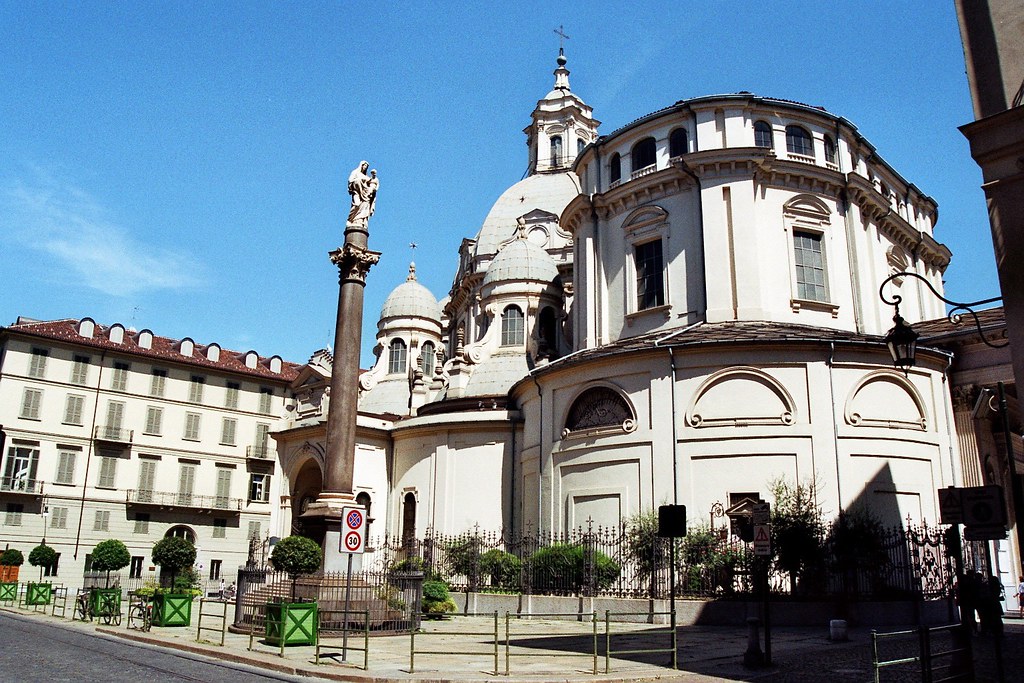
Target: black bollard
753 657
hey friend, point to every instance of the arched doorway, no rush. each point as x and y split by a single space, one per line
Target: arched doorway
306 487
409 520
177 531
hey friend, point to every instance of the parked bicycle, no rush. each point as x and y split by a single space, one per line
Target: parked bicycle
140 612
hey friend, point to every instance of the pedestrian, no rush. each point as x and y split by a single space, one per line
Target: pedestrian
967 599
221 590
1020 598
990 609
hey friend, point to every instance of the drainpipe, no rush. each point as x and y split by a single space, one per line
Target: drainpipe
949 421
675 432
88 455
540 447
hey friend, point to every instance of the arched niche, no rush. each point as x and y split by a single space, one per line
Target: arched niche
599 409
765 400
885 398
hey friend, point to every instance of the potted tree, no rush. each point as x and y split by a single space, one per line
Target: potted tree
40 593
293 622
171 607
108 556
10 563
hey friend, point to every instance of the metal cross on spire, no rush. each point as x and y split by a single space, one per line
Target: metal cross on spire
560 32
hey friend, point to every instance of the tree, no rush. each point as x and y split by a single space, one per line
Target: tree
12 557
296 555
797 532
42 556
174 553
561 567
857 544
110 556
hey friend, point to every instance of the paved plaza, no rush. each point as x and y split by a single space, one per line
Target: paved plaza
547 650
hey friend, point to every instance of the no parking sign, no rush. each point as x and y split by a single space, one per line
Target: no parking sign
353 529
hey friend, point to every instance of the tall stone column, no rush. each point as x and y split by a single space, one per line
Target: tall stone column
353 260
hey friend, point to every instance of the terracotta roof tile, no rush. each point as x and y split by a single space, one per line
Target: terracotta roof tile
163 348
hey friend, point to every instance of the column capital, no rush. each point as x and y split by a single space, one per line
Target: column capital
353 262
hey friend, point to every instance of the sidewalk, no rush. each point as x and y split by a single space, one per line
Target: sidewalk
706 654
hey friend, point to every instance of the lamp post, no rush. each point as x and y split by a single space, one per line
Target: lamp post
902 343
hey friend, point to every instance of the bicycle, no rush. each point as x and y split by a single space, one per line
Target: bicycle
140 613
88 607
83 612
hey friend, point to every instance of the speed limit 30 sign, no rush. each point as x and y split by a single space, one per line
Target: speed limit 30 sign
353 530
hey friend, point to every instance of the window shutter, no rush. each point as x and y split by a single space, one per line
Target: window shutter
66 468
187 479
30 403
108 471
223 486
115 414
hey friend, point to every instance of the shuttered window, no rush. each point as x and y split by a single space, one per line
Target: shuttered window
73 409
119 378
66 467
108 472
101 521
30 401
227 431
156 387
59 518
115 414
223 486
192 421
186 483
231 399
37 366
80 370
195 389
141 523
147 475
154 418
266 399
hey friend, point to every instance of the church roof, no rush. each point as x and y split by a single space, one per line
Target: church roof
411 300
550 192
520 260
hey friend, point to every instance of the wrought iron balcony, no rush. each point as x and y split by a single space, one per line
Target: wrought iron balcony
113 434
172 500
31 487
259 452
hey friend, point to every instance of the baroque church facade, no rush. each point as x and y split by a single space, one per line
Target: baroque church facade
681 311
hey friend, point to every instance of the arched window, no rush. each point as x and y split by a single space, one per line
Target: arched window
798 141
580 145
427 354
181 531
548 338
615 168
364 499
677 143
830 150
512 327
599 407
556 150
409 519
645 153
763 135
396 358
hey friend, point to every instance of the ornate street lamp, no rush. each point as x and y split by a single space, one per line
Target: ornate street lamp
902 339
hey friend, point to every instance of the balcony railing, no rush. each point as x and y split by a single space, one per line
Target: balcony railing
113 434
259 451
802 158
641 172
169 499
32 487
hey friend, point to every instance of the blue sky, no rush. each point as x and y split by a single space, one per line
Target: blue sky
181 165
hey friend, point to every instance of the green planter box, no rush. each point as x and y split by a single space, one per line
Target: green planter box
172 609
105 602
38 593
291 623
8 591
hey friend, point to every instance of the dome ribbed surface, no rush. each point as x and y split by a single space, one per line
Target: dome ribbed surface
521 260
411 300
550 192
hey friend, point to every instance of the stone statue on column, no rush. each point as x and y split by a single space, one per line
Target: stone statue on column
362 188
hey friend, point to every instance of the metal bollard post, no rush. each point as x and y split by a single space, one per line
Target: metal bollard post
753 657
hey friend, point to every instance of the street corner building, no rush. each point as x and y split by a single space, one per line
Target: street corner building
684 310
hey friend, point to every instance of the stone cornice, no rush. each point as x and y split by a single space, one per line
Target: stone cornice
877 209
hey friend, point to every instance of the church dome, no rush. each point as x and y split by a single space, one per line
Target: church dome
550 192
411 300
521 260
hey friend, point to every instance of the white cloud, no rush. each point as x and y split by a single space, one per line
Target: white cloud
67 223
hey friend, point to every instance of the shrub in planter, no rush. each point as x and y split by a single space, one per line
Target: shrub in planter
174 554
10 563
437 601
293 623
110 556
42 556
